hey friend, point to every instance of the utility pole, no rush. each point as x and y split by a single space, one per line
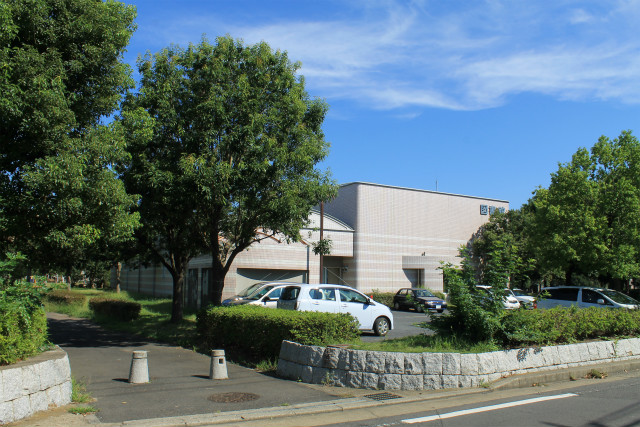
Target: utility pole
321 235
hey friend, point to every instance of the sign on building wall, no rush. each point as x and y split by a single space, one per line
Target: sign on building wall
490 210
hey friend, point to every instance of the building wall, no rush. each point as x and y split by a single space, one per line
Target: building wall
384 238
402 234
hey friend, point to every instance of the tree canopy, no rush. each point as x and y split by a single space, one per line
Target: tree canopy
499 253
225 143
587 223
584 229
61 73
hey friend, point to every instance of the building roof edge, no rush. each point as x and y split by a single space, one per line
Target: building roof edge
422 191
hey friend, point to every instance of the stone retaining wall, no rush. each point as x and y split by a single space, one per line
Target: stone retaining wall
33 385
430 371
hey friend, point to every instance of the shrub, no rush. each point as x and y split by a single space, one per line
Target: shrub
23 322
468 317
440 295
115 308
385 298
63 296
564 325
255 333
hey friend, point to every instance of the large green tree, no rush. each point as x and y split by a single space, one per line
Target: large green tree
588 220
60 74
232 155
499 253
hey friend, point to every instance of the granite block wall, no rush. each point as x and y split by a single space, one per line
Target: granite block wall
431 371
33 385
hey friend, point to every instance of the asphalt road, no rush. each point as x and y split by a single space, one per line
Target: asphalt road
611 404
404 326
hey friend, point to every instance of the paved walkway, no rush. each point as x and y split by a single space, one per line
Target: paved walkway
179 383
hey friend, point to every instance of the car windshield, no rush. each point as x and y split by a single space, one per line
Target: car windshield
248 291
618 297
259 293
520 293
423 293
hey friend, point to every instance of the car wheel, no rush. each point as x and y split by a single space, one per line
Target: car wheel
420 308
381 326
396 306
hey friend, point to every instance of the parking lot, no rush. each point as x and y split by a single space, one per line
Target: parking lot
403 326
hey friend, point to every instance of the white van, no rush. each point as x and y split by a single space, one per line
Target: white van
339 299
583 297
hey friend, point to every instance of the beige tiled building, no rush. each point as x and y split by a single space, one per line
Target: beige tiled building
383 238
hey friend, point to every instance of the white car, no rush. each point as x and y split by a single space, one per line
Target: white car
371 315
510 302
526 300
266 296
252 290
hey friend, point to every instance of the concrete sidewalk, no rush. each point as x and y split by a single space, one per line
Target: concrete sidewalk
181 394
179 378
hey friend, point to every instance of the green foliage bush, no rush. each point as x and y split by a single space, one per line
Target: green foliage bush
23 322
63 296
566 325
385 298
115 308
470 317
473 318
255 333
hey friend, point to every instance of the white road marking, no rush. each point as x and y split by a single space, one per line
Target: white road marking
486 408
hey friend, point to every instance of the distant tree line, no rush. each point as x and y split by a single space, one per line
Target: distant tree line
582 230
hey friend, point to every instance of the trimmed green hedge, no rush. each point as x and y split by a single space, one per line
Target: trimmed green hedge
23 322
115 308
255 333
385 298
63 296
565 325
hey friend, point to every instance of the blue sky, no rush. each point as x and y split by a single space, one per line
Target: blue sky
481 98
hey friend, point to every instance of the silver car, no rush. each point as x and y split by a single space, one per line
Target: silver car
583 297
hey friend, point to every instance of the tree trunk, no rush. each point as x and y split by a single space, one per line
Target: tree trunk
569 274
177 311
118 271
217 280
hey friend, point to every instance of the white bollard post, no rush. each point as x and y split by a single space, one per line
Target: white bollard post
139 372
218 369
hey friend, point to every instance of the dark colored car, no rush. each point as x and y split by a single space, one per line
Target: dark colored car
419 299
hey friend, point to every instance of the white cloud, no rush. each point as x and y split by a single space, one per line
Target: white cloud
580 16
392 54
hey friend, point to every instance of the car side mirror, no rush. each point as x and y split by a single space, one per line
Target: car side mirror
600 301
266 299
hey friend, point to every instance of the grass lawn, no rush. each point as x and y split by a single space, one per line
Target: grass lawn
153 322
